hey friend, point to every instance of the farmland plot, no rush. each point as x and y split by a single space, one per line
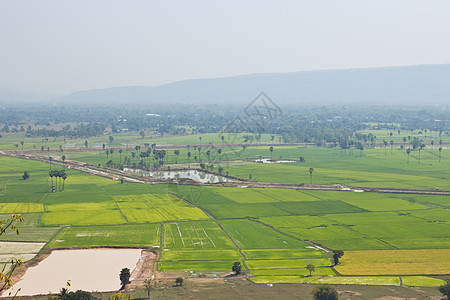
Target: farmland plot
195 235
97 236
148 208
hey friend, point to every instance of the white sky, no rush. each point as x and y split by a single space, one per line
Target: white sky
84 44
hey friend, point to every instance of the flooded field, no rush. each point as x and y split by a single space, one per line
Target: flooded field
89 270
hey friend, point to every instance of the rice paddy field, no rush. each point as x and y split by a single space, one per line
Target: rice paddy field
387 239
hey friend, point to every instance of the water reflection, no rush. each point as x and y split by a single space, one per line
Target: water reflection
191 174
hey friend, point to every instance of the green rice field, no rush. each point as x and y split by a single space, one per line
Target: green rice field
274 233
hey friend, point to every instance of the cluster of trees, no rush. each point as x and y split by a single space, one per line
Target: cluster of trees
313 124
61 174
81 130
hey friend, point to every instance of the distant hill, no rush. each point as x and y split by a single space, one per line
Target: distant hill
421 84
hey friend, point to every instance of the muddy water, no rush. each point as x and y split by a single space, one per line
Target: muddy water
88 270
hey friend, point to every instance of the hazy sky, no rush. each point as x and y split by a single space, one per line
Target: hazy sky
76 45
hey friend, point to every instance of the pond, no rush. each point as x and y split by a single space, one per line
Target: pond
191 174
88 270
269 161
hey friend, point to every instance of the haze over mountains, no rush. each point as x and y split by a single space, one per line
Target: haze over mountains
421 84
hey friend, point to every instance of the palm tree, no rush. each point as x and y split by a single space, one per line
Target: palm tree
220 152
420 148
392 144
51 174
408 151
63 158
271 151
120 155
176 152
107 154
440 150
64 177
208 153
385 144
311 170
189 159
21 142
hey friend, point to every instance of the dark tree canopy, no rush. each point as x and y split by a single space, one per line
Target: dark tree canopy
324 292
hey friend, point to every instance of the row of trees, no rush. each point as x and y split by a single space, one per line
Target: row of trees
61 174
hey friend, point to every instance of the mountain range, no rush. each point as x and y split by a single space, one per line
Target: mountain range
419 84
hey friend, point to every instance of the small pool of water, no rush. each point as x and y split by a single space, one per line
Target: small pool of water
191 174
268 161
88 270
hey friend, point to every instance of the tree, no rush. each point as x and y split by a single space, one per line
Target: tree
324 292
142 134
120 155
21 142
311 268
64 177
408 151
237 268
189 159
271 150
125 276
445 289
86 144
440 151
63 158
111 139
179 281
26 175
176 152
385 144
311 170
148 286
301 159
336 255
51 174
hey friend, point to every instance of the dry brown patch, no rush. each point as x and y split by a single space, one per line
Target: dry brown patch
348 293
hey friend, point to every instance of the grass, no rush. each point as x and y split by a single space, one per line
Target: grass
325 232
147 208
367 226
105 236
283 279
296 271
373 168
395 262
252 235
30 230
198 260
195 265
286 263
195 235
102 213
11 208
379 280
297 253
422 281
